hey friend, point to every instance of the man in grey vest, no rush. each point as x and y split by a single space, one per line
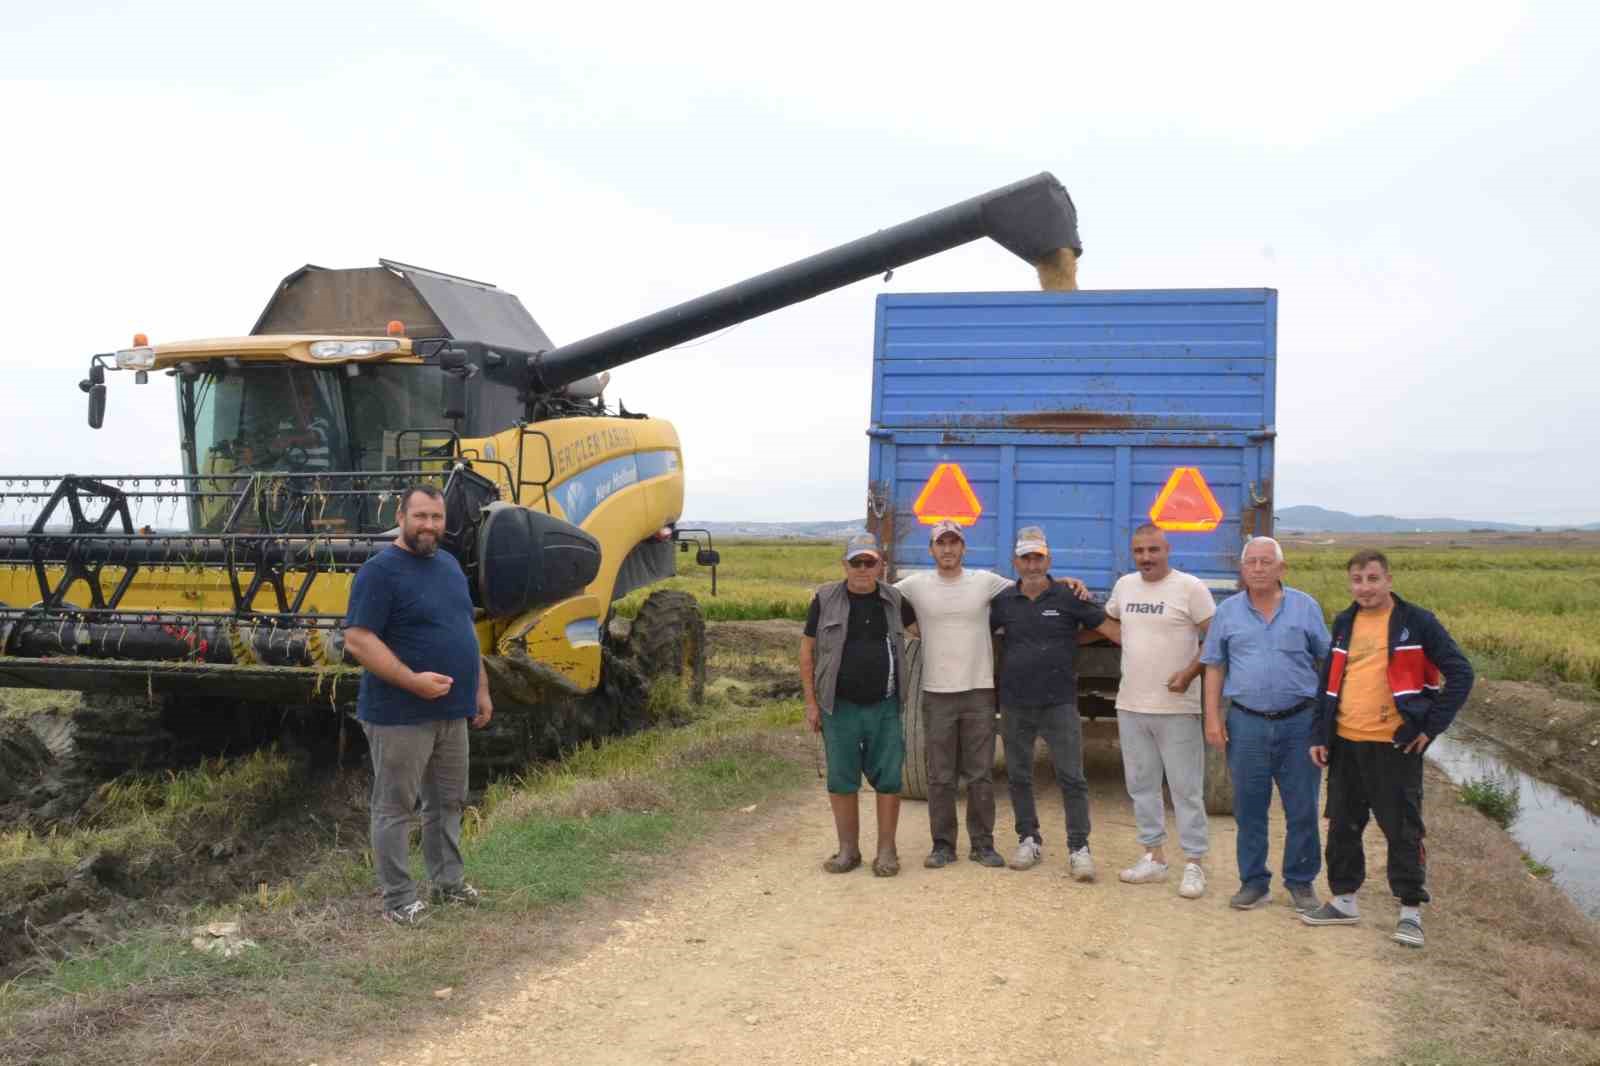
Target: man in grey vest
850 666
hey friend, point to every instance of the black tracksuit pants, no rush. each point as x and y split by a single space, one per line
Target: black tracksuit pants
1375 776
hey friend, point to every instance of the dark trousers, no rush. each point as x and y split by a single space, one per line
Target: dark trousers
959 732
1376 776
1062 730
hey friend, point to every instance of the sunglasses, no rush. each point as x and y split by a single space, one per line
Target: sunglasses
861 562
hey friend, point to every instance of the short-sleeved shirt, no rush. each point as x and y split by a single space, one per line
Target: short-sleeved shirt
420 607
953 618
1272 666
1041 635
866 665
1159 637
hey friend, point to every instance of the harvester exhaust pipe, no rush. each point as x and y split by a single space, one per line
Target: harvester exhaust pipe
1034 219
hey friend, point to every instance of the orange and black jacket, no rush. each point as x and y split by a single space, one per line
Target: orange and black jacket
1428 674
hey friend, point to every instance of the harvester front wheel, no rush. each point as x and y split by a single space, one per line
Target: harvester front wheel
668 638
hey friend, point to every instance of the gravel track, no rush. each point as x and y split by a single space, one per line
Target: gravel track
750 953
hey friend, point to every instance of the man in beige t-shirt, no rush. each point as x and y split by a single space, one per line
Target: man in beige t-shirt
958 705
1164 614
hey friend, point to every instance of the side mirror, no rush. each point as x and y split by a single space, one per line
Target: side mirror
97 406
452 358
455 396
707 557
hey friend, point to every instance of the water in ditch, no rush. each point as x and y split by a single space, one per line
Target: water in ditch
1554 826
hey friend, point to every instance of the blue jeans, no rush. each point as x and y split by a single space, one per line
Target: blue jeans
1262 751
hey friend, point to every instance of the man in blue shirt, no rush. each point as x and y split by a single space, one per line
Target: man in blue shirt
410 626
1261 656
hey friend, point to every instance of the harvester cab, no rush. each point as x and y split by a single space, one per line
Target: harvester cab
226 585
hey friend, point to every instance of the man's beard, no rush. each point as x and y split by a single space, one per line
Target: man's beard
417 548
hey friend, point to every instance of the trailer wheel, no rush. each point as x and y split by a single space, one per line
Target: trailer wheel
914 772
668 636
1219 784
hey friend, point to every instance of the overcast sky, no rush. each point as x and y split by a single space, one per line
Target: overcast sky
1421 183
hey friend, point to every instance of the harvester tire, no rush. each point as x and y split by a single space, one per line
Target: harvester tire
914 773
23 759
668 637
118 734
1219 783
535 721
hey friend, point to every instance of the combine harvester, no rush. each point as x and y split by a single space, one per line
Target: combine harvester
202 611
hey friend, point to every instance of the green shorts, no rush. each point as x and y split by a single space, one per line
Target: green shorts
864 739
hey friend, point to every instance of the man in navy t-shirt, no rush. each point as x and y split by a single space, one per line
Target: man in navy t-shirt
410 626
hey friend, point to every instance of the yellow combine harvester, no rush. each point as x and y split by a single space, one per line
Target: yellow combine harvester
194 603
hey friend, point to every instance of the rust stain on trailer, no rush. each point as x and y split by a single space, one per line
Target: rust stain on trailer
880 521
1071 420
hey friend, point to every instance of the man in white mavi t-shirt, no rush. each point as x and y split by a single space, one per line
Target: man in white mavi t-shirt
1164 615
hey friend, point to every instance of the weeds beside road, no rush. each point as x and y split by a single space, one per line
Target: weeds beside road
328 970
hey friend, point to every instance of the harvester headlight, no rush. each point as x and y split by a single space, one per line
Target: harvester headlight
142 358
352 349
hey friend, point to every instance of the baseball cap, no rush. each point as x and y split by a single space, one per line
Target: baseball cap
947 527
862 544
1030 539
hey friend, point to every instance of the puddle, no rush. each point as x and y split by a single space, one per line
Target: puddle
1554 827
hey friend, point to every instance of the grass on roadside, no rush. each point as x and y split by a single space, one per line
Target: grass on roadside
327 970
1508 974
1542 870
1496 798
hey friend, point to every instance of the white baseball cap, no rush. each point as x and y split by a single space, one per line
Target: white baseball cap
1030 540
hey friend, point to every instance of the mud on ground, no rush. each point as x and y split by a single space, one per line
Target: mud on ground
1556 728
51 909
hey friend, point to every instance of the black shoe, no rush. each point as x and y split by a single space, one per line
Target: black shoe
1304 898
939 857
985 856
1249 897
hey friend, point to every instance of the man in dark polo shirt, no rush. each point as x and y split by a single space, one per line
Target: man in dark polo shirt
850 661
410 626
1037 622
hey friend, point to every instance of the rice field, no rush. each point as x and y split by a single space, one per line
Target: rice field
1522 612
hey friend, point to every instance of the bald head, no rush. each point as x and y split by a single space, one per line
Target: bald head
1151 552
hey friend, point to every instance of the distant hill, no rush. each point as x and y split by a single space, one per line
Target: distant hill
1322 520
841 530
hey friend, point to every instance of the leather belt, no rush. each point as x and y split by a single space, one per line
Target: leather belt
1275 715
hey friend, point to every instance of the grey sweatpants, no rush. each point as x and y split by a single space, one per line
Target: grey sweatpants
1173 745
426 761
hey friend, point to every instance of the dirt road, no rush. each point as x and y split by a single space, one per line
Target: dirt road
752 954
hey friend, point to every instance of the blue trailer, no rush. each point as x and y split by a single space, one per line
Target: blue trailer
1086 413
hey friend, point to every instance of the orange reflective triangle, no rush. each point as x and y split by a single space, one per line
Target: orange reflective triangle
1186 504
947 497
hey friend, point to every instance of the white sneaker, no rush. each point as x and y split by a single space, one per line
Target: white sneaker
1082 864
1145 871
1193 885
1027 856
